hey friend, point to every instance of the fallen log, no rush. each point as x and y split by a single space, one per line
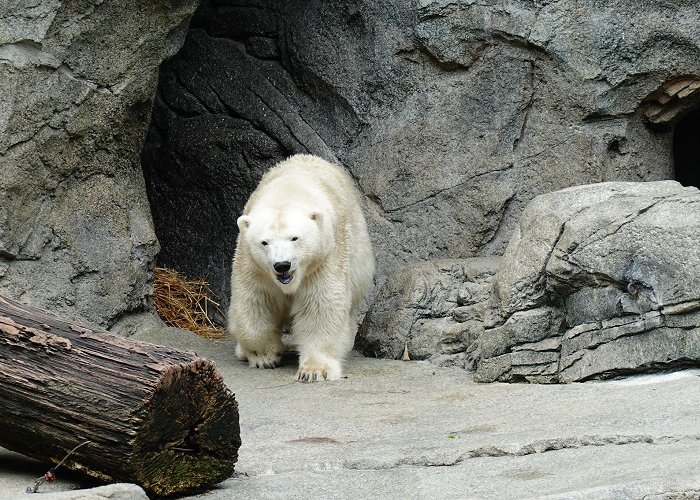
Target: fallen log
153 415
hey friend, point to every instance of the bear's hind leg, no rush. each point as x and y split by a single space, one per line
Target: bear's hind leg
258 358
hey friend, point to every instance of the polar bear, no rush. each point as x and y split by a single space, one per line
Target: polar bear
304 259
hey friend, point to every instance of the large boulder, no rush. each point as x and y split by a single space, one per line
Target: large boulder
598 281
78 80
451 116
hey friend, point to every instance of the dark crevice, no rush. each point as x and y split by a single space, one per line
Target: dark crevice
686 149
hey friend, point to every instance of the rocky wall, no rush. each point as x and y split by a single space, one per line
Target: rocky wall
598 281
77 80
451 116
434 311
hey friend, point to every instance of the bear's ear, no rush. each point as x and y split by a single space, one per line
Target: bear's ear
243 222
316 216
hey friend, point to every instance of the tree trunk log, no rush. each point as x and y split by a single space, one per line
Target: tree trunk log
155 416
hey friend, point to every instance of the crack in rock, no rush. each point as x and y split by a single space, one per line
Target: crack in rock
536 447
613 227
457 186
545 445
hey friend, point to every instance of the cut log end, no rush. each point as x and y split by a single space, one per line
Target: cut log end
187 437
190 429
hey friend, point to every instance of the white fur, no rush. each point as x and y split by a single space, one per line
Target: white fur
306 212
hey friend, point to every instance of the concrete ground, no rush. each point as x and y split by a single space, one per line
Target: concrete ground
409 430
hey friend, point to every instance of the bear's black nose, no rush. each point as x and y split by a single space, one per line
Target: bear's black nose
282 267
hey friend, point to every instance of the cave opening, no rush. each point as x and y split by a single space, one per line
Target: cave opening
686 149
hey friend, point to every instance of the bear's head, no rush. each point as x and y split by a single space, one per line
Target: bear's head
284 243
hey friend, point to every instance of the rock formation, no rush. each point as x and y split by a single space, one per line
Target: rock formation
434 310
77 80
451 116
598 281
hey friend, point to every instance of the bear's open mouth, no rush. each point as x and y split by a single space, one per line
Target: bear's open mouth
284 278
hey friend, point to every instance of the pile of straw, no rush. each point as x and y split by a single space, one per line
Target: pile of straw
185 303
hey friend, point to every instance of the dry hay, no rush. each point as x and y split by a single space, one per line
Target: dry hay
185 303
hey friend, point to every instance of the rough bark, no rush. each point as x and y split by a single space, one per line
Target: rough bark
154 415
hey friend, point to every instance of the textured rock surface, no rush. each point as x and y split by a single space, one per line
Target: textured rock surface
77 81
433 311
458 112
412 430
598 280
117 491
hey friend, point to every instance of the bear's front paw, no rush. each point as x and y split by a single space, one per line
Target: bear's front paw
257 359
265 360
317 369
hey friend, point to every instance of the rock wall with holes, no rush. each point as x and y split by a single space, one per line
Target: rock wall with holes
451 116
77 82
433 311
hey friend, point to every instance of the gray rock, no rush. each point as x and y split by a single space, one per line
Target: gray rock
451 116
117 491
522 327
413 430
76 235
432 311
464 114
614 266
598 281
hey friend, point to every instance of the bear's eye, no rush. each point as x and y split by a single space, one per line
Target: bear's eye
264 243
294 238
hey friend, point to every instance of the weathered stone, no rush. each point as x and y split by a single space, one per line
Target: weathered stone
521 327
415 311
621 272
592 272
464 113
683 307
521 280
493 369
496 342
551 344
653 350
534 325
527 357
476 311
117 491
535 363
459 112
77 81
610 330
